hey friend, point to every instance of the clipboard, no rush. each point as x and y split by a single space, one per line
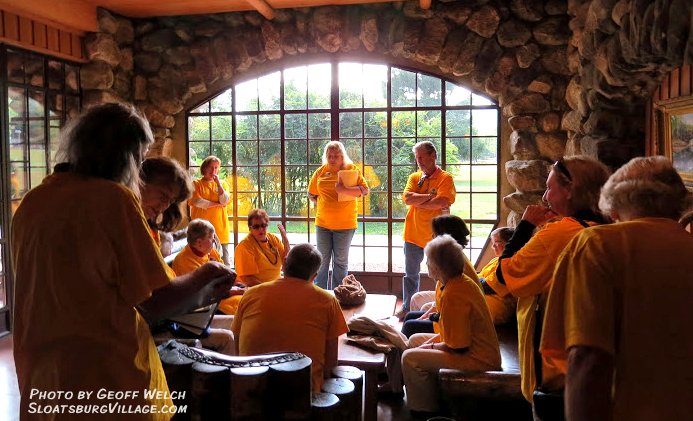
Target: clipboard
349 178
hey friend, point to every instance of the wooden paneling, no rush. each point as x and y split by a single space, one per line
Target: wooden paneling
678 83
686 80
21 31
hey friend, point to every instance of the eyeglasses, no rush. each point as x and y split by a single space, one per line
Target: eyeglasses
258 226
563 169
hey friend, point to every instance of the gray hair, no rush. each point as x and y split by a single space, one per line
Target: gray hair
302 262
336 144
446 255
108 141
428 146
646 187
197 229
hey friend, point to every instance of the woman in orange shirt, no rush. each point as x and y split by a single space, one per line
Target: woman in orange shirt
335 220
209 200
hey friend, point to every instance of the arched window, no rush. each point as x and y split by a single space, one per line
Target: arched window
270 132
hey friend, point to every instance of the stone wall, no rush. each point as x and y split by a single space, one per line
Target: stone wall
570 76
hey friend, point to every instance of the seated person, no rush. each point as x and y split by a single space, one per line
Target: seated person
467 339
500 301
259 256
421 321
292 314
200 248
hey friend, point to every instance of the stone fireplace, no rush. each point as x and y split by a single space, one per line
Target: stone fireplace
571 76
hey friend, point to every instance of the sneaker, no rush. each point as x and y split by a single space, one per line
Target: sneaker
401 313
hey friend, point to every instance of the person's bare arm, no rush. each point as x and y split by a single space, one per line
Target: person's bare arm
428 312
355 191
426 201
588 384
249 280
285 241
331 356
166 300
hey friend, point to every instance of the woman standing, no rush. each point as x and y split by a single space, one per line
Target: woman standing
209 200
335 220
76 326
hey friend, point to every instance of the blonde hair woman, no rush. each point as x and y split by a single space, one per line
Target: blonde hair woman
209 200
335 220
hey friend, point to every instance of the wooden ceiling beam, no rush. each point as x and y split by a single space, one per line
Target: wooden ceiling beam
72 15
262 7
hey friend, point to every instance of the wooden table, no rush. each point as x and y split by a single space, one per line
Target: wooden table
377 306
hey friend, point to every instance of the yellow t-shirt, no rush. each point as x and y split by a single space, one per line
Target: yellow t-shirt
527 274
417 225
331 213
502 304
289 314
218 216
262 260
465 321
625 289
76 327
187 261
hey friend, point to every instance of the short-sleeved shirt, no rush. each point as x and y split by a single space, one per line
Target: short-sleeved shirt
289 314
330 212
417 225
465 321
502 304
187 261
528 274
626 289
262 260
84 257
217 216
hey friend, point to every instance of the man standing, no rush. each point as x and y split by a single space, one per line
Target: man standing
292 314
429 193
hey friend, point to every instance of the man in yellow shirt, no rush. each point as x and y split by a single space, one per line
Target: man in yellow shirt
200 248
429 193
292 314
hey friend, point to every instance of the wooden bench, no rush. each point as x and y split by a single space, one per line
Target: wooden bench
491 394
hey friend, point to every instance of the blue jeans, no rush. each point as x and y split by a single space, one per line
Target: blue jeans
333 245
413 256
412 325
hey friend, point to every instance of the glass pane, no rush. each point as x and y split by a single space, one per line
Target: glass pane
297 231
269 91
457 150
376 177
484 178
296 126
270 178
484 149
15 66
297 178
400 175
223 151
295 152
461 206
375 85
485 122
462 177
203 108
457 123
198 128
246 96
350 85
270 126
375 124
428 90
3 291
296 204
403 123
34 73
397 258
315 151
246 152
319 126
246 203
71 78
199 151
246 127
271 203
354 149
319 85
429 123
222 127
270 153
223 103
37 175
456 95
403 88
399 209
355 258
375 205
351 124
480 100
295 88
247 178
376 151
72 106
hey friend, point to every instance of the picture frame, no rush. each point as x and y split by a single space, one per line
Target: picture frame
674 134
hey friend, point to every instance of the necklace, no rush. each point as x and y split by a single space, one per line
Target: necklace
274 251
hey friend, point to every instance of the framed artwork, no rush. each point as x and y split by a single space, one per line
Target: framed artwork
674 132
